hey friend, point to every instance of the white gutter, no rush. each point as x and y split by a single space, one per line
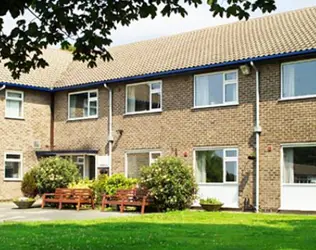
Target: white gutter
2 88
110 135
257 131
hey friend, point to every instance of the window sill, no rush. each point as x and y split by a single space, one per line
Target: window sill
12 180
83 118
14 118
299 184
143 112
215 106
218 184
296 98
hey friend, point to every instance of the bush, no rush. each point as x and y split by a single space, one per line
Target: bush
55 172
82 183
171 183
28 186
109 185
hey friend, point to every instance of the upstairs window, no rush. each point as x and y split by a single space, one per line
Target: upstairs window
216 165
14 104
216 89
13 166
299 79
83 105
144 97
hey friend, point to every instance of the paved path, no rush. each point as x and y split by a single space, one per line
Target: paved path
9 212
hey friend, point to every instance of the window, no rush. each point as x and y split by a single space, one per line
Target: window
299 165
80 162
298 79
139 159
13 166
83 105
14 104
143 97
216 89
216 165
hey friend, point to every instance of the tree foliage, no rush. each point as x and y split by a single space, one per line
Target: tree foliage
89 24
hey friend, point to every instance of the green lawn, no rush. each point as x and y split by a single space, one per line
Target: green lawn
175 230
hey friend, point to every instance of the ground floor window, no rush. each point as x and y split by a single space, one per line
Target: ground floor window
13 166
85 165
80 162
216 165
299 164
136 160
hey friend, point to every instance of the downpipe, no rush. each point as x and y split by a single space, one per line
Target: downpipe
257 131
110 134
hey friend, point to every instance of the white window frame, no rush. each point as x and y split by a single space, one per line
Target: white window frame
14 99
225 82
83 164
141 151
293 145
282 87
225 159
151 110
90 99
14 160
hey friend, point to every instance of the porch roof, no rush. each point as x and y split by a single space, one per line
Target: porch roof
59 152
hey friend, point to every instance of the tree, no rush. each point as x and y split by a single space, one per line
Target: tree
89 24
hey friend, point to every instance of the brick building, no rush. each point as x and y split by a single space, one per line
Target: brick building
214 97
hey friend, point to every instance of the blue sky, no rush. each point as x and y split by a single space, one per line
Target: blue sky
162 26
197 19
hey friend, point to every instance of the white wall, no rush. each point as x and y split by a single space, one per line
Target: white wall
298 197
226 193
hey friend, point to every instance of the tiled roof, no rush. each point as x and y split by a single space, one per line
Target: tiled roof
58 62
271 35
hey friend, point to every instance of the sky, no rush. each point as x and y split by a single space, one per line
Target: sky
197 18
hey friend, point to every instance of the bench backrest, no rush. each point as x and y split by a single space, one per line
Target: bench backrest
65 192
83 193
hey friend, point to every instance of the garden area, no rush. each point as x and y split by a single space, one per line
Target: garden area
171 189
166 185
171 230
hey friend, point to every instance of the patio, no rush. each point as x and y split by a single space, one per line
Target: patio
10 213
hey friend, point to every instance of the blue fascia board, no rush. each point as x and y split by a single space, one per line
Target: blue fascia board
23 86
165 73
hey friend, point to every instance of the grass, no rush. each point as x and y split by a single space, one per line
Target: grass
174 230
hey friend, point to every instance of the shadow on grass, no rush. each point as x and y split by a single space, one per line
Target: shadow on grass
134 234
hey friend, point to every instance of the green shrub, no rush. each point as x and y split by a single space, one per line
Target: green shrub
55 172
109 185
28 185
212 201
170 182
82 183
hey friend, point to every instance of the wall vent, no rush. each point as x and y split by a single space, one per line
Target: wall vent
37 144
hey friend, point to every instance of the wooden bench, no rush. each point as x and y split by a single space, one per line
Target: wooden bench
137 197
69 196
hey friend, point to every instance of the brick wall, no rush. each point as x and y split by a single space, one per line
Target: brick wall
292 121
19 135
179 128
80 134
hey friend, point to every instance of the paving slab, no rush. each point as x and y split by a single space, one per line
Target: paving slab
10 213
